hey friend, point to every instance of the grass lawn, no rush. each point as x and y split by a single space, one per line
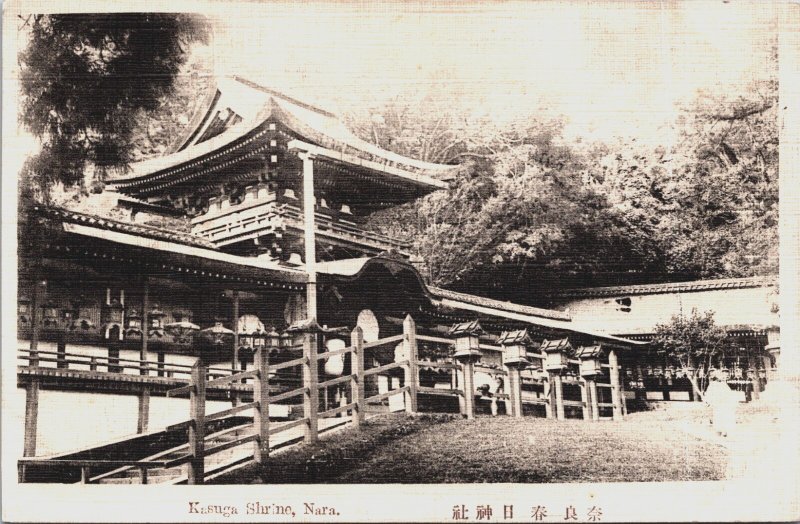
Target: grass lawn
439 448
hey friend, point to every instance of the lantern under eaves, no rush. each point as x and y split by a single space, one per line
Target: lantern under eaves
467 343
556 354
515 347
590 360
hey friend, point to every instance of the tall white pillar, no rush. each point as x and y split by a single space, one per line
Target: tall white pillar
309 225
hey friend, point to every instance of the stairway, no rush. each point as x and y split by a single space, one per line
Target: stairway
216 463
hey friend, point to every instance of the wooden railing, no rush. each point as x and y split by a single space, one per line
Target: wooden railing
200 378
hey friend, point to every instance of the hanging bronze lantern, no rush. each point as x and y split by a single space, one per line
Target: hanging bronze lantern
155 322
84 313
134 327
218 334
112 317
50 314
23 310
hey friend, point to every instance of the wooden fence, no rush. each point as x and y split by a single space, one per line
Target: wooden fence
201 378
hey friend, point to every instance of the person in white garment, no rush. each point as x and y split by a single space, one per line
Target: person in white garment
723 403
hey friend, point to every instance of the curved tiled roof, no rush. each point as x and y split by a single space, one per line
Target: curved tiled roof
498 304
125 227
670 287
256 104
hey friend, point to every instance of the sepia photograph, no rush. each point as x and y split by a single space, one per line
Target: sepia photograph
386 261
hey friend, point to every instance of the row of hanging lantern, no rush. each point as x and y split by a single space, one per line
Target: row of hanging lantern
515 352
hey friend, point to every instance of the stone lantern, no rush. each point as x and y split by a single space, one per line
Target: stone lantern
589 357
515 358
556 354
467 352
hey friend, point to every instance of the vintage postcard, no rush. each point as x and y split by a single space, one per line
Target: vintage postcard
400 261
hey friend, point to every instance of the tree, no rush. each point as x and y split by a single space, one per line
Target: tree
87 79
690 343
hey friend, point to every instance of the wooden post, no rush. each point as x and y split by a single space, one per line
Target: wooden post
412 369
85 474
261 395
558 390
143 474
514 391
61 349
622 399
144 410
145 320
357 383
613 374
197 410
32 389
309 226
549 395
469 388
311 395
592 394
31 417
235 361
587 410
36 304
456 384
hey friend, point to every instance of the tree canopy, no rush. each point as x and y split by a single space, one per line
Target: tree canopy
87 82
530 210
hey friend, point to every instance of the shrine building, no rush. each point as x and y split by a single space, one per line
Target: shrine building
252 222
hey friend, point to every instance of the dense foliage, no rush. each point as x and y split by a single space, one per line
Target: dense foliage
87 80
529 211
690 343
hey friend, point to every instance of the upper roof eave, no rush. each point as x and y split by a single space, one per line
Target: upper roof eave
313 123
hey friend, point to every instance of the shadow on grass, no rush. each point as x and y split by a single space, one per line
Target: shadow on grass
335 453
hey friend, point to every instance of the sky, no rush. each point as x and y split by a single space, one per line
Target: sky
611 68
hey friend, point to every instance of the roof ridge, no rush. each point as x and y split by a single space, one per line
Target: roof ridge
689 285
500 304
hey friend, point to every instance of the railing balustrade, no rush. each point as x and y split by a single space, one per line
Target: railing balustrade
413 351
